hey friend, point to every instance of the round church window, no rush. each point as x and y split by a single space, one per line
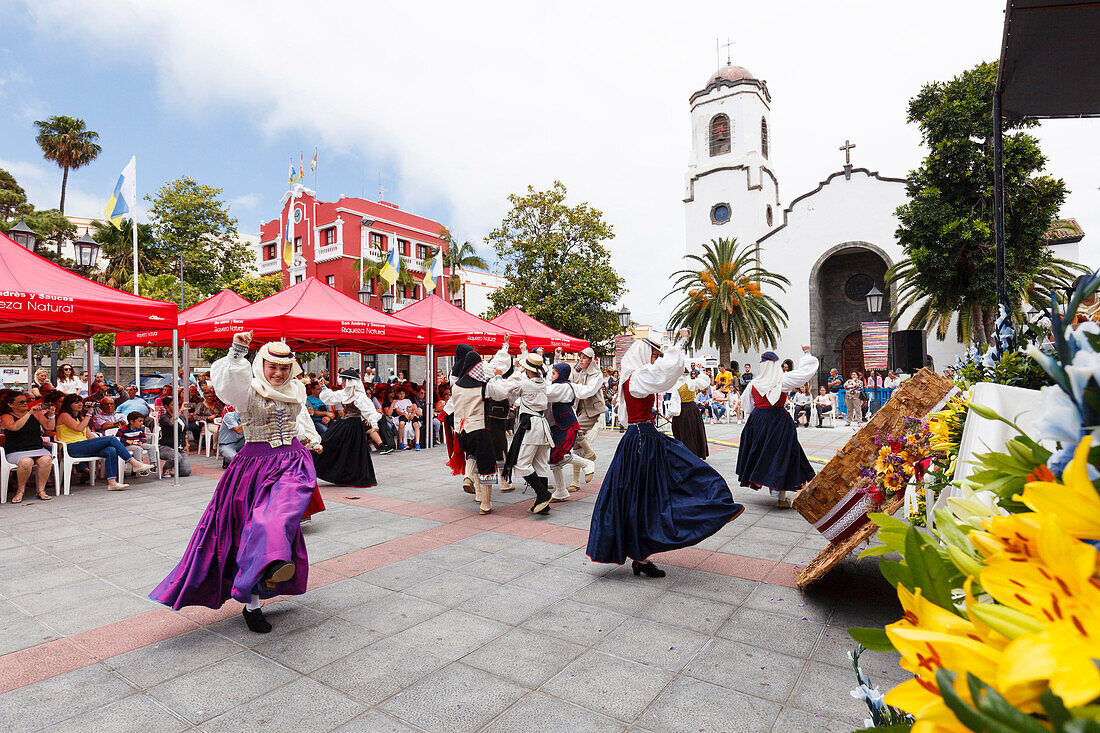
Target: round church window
720 213
858 286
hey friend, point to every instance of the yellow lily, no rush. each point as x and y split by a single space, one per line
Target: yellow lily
1075 502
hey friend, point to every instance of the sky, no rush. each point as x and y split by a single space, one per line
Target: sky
453 106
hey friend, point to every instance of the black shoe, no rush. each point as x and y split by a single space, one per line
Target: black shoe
648 568
276 572
256 621
542 493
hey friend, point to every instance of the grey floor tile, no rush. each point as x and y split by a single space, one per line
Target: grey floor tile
618 688
456 698
537 711
691 612
136 713
689 706
453 556
524 657
170 658
488 541
312 647
35 706
758 672
786 634
304 705
375 721
451 589
882 667
652 643
97 613
393 613
793 719
451 634
342 595
378 671
499 568
553 580
536 551
791 602
711 586
401 575
208 692
507 603
822 689
623 596
14 585
22 632
575 622
284 616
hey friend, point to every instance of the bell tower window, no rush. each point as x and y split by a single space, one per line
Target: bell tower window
763 137
768 215
719 135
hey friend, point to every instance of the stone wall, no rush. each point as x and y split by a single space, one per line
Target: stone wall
838 315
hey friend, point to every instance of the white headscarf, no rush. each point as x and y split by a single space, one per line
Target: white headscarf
638 355
290 391
769 381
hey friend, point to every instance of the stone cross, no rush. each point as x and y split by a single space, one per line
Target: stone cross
847 148
727 45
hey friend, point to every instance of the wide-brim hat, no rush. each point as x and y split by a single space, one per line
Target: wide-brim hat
533 363
656 346
278 352
348 374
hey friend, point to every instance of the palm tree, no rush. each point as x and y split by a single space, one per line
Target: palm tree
458 256
372 268
67 142
117 255
975 323
723 301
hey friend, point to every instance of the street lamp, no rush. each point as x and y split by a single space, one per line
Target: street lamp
23 235
624 319
874 299
87 252
364 295
387 302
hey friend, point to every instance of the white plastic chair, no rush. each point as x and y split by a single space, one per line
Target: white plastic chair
6 469
70 463
208 434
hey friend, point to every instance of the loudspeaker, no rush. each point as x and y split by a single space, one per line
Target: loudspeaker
908 350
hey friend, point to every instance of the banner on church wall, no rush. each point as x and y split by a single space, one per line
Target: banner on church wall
622 344
876 344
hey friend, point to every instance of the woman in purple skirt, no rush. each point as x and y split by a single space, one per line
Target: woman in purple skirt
249 544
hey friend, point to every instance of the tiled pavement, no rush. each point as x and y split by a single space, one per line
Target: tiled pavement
423 615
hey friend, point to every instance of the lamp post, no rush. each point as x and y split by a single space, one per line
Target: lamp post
87 252
874 299
23 235
387 302
624 319
364 295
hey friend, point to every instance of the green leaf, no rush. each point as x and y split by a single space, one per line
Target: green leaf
973 719
990 702
934 575
896 573
1055 708
876 550
874 639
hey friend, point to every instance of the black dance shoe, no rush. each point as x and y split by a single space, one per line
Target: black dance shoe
648 568
256 621
276 572
542 493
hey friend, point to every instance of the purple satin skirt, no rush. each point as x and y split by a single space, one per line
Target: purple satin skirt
253 520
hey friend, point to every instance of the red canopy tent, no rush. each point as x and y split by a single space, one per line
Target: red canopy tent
536 333
315 317
215 305
448 326
41 301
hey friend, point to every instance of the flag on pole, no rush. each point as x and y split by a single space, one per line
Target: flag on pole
302 167
392 267
290 175
313 163
124 199
288 233
433 272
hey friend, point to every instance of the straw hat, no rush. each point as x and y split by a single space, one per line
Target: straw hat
533 363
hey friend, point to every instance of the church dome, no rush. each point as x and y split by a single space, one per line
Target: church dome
731 72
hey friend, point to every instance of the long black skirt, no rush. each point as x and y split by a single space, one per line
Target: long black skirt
345 459
688 428
657 496
769 455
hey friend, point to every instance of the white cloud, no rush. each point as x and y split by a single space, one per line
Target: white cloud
470 102
41 181
248 201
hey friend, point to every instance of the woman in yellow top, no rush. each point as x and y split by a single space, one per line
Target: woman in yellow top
72 429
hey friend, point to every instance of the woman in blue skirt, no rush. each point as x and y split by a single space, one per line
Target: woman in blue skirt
770 456
657 495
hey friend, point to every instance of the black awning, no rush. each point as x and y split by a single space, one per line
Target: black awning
1050 59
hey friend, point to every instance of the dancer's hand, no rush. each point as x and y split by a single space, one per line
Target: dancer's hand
316 447
684 333
805 348
242 338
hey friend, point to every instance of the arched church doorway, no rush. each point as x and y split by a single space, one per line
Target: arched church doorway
851 354
838 283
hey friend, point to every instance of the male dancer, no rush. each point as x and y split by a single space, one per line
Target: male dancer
588 383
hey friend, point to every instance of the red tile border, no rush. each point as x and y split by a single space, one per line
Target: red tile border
41 662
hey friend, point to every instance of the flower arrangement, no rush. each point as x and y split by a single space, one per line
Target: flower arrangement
900 459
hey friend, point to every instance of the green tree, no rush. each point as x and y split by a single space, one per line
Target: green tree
53 228
68 142
722 299
459 256
253 288
13 199
946 228
557 265
116 259
163 287
191 217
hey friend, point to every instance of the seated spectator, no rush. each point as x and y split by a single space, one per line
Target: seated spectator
318 410
802 402
67 381
230 436
72 429
733 402
133 403
824 403
705 402
24 424
209 411
172 452
106 418
41 383
136 440
158 403
408 415
891 381
719 401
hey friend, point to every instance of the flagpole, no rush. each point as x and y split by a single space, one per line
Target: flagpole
134 226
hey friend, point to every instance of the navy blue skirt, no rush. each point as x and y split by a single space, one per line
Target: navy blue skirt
769 454
657 496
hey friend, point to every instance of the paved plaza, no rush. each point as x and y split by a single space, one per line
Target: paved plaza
423 615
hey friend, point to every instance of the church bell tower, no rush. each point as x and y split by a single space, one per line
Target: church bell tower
731 190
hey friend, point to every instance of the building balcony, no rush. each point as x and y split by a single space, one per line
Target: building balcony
269 267
328 253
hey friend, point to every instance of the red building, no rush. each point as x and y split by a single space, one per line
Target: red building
330 240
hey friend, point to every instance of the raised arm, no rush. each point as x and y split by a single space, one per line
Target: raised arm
232 374
661 375
806 369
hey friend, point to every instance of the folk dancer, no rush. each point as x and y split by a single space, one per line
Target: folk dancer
248 544
346 459
468 395
564 429
529 453
657 495
588 383
687 421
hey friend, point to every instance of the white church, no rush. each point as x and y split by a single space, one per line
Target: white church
833 242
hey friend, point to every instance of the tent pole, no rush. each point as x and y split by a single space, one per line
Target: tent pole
999 210
118 377
187 368
176 407
88 360
30 367
429 403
